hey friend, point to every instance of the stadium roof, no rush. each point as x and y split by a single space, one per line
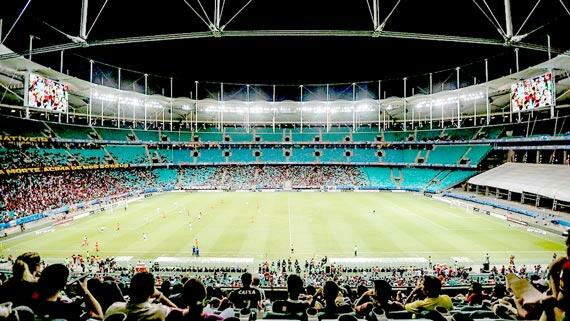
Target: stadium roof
472 98
300 58
552 181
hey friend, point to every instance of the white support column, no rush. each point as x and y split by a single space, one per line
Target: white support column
61 61
274 111
102 106
431 102
487 106
222 104
517 58
83 22
458 100
301 108
90 91
353 106
405 104
30 47
379 103
386 119
413 111
548 45
171 98
328 110
554 96
1 25
145 95
248 111
196 106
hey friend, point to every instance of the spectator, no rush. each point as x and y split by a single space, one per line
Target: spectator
138 307
297 301
246 296
430 288
335 303
194 295
21 286
380 297
50 302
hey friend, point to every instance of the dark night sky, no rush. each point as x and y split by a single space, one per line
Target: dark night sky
285 60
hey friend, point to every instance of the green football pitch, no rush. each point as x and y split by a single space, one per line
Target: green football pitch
264 225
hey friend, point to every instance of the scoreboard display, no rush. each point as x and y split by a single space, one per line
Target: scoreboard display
533 93
47 94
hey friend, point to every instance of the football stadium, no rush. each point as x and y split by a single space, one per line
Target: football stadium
207 160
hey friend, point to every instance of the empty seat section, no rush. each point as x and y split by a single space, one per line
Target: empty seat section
177 136
71 131
209 137
270 137
304 137
364 155
379 177
423 135
393 156
240 137
302 155
453 178
410 155
333 155
364 137
211 155
477 153
166 155
128 154
89 156
493 132
242 155
113 134
272 155
396 136
147 135
461 133
446 154
417 178
334 137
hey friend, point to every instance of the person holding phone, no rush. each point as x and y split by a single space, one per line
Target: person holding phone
51 303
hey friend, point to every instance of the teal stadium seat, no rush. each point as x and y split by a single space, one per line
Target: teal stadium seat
242 155
302 155
113 134
333 155
89 156
71 131
147 135
272 155
125 154
379 177
446 154
364 155
211 155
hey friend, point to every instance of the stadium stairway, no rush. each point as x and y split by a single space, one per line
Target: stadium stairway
464 156
437 179
397 179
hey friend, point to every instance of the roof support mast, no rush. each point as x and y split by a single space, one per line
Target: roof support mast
508 20
83 24
376 14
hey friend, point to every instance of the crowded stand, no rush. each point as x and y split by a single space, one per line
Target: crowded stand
67 188
314 288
